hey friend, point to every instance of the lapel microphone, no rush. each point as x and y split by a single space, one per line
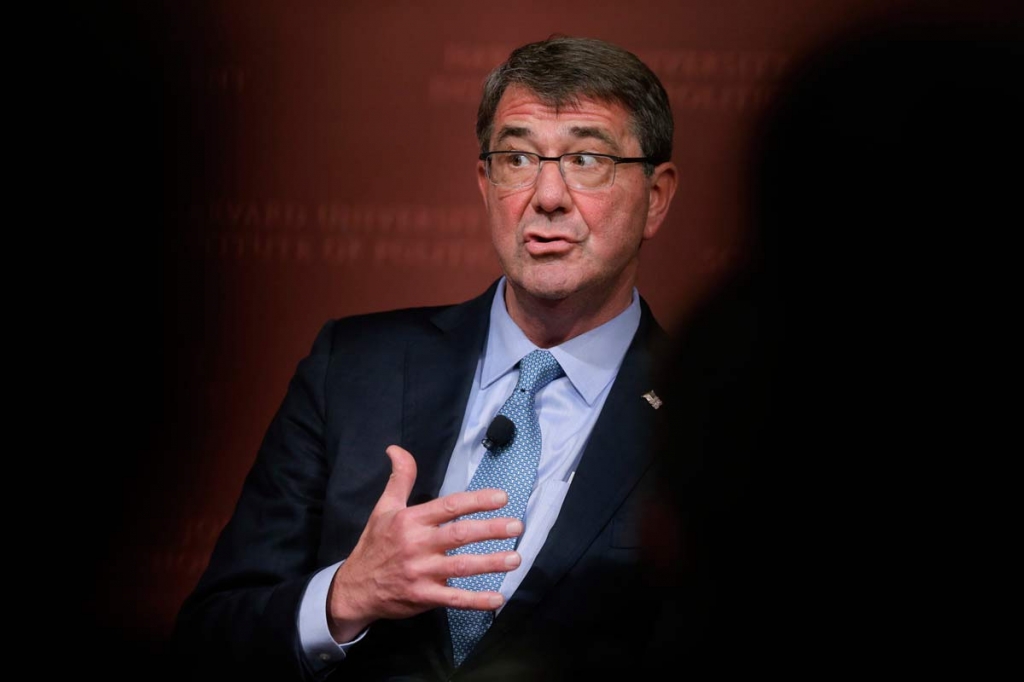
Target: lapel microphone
499 433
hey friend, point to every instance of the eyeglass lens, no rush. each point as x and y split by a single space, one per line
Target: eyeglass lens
581 171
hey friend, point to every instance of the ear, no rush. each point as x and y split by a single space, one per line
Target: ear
661 188
482 182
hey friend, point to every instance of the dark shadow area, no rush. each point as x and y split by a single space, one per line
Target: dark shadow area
836 455
121 333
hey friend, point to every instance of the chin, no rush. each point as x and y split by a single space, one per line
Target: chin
549 294
546 286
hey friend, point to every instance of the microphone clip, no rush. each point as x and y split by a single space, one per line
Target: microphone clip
500 433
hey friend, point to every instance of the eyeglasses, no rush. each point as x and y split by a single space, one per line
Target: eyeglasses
513 170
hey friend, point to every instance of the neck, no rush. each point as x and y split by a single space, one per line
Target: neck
550 322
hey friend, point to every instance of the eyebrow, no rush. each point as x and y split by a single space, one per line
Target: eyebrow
513 131
579 132
583 132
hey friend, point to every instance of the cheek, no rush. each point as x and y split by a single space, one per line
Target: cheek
607 218
502 228
499 221
617 229
506 211
595 210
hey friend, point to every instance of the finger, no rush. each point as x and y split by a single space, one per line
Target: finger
467 531
451 507
455 598
403 475
461 565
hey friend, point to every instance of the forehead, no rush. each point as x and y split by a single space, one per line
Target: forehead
522 114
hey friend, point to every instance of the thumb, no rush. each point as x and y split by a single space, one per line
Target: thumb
403 475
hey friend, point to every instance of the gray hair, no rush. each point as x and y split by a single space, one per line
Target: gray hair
561 70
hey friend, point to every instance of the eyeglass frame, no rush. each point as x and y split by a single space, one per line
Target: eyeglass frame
616 160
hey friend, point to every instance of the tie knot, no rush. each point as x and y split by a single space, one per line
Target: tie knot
537 370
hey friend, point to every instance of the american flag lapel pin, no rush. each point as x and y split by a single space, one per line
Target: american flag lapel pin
652 398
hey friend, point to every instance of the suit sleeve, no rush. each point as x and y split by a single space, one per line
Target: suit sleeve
241 619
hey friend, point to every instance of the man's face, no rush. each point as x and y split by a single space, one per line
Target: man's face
554 242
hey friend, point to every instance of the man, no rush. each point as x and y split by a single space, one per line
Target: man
340 560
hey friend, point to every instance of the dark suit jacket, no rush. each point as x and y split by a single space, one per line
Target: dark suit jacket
404 377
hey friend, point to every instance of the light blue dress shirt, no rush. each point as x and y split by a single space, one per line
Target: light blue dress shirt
567 408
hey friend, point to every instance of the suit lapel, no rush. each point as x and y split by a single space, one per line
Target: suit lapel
439 375
439 371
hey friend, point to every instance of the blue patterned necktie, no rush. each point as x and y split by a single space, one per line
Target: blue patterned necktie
512 468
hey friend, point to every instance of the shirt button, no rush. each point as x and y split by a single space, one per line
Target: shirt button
325 657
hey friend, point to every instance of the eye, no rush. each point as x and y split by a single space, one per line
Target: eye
518 160
583 161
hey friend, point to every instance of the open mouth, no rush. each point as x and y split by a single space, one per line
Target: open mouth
545 246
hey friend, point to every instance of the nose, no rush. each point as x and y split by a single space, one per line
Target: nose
550 194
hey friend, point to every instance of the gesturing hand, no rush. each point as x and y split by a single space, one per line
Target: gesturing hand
399 567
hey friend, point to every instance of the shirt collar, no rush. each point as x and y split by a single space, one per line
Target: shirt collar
590 360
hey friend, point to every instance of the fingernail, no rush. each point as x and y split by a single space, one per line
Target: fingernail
500 498
514 527
497 600
512 560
